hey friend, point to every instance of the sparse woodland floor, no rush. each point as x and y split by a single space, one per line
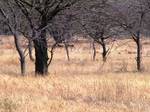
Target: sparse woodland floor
80 85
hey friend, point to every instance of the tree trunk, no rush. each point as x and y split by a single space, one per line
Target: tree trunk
22 64
30 46
139 52
41 50
94 50
41 54
41 57
104 53
21 54
67 51
139 45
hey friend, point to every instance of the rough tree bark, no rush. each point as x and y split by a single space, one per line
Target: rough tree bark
41 55
41 52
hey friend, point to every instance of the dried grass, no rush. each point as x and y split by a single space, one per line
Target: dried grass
80 85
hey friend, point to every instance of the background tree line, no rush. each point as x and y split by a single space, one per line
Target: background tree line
97 20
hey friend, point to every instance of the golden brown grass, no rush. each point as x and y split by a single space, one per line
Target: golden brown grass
80 85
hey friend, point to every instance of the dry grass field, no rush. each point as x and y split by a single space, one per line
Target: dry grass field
81 85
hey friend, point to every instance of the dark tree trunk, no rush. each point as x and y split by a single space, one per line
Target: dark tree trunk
139 45
104 53
41 54
22 64
139 52
41 57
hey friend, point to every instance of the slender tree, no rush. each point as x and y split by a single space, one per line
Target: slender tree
11 19
131 17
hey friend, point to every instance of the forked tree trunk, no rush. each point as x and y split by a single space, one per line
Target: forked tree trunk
16 40
41 50
21 54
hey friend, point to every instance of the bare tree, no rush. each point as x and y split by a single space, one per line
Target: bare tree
97 25
11 19
101 33
131 16
39 14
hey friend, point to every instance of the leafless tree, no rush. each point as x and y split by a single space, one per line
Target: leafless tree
97 24
99 20
39 14
131 16
11 19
